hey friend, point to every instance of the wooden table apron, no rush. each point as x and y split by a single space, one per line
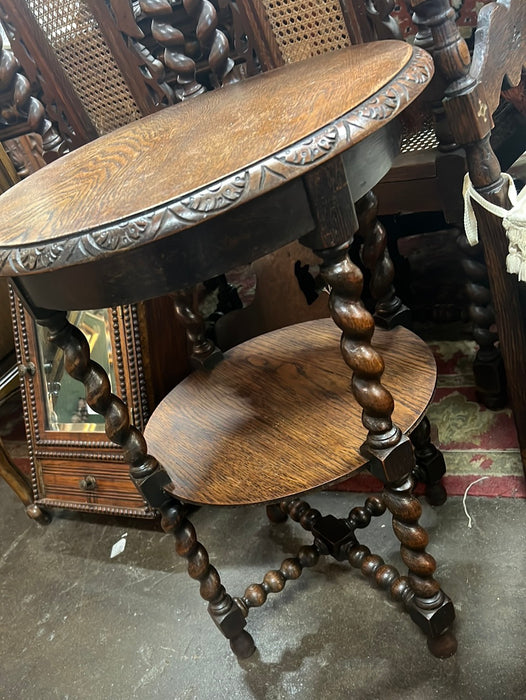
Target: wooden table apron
213 247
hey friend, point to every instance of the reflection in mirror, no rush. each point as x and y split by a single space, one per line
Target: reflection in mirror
66 407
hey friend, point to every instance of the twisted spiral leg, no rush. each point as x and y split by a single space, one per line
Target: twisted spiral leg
389 452
174 42
488 368
227 614
389 311
211 39
430 464
429 607
149 477
203 352
26 106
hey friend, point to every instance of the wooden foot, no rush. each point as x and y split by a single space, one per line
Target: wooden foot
243 645
20 486
428 605
443 646
42 517
430 464
490 378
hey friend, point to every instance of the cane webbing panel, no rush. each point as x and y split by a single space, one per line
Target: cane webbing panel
82 50
304 29
424 139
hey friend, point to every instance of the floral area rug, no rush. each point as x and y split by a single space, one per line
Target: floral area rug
480 446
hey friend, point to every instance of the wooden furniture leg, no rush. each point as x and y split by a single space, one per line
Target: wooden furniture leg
149 477
203 352
430 463
488 367
390 452
389 311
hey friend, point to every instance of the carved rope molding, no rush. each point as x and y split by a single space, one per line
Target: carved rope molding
231 191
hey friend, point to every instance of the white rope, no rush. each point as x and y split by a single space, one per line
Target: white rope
470 519
513 220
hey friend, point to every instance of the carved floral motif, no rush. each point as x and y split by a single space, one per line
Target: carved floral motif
312 150
236 188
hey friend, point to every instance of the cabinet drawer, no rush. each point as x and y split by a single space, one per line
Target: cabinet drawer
95 483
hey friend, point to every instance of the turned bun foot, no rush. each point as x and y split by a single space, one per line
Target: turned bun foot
41 516
243 645
443 646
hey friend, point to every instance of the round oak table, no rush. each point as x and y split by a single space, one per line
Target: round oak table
191 192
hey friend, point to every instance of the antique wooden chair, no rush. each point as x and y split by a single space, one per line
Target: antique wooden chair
426 176
274 418
472 96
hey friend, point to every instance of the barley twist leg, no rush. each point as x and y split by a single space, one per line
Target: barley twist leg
149 477
227 614
488 367
430 608
203 352
390 453
389 311
430 464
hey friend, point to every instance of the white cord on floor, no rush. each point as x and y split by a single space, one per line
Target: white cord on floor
465 496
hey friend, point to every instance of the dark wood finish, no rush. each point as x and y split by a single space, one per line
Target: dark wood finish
60 460
41 66
471 98
297 124
118 190
389 309
277 367
430 464
488 367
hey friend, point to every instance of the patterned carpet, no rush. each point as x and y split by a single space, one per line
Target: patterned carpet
477 443
480 446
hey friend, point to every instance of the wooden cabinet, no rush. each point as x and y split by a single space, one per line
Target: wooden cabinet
73 465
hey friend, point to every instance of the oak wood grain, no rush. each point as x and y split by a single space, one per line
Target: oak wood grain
256 428
200 142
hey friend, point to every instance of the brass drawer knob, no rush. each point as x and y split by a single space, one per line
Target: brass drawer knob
88 483
27 369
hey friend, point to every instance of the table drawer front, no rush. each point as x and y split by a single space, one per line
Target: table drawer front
97 483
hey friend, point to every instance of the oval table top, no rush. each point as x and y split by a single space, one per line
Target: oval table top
257 428
195 160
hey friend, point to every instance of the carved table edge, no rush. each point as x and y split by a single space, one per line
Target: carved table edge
239 187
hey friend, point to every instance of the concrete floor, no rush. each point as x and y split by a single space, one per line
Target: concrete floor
77 624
